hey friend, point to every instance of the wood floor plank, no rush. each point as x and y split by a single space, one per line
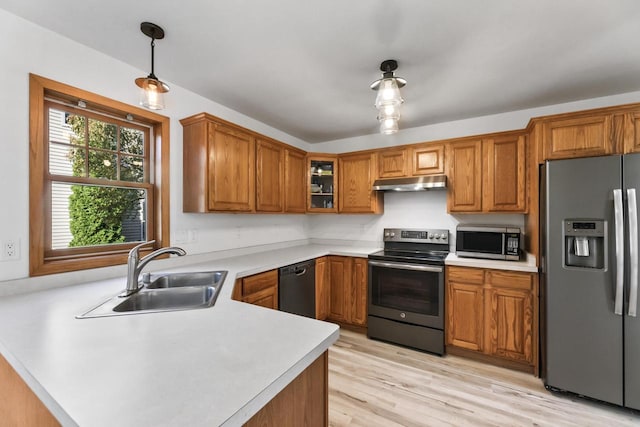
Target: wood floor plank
372 383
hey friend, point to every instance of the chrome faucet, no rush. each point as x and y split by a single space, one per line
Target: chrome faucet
135 264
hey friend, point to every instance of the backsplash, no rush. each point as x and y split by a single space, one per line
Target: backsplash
402 210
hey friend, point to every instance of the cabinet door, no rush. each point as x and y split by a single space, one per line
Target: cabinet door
340 276
464 176
632 133
267 298
322 288
357 173
427 159
231 170
504 188
392 163
295 179
578 137
465 307
269 176
465 315
511 331
359 292
510 324
261 289
322 185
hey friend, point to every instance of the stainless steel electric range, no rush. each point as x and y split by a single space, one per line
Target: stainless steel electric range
406 289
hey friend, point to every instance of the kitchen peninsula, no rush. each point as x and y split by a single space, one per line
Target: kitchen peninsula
215 366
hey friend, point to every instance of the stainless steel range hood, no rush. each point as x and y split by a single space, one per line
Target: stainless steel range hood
419 183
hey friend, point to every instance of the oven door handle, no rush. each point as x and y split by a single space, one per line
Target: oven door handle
401 266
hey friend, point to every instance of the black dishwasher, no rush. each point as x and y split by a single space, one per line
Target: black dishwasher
297 289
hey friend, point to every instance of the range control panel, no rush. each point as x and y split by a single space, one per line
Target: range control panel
416 235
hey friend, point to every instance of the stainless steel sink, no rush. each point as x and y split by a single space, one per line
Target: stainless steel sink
169 299
167 292
179 280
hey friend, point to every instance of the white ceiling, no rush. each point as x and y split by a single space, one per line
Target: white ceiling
304 67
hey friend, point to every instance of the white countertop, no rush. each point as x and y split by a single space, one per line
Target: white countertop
526 265
214 366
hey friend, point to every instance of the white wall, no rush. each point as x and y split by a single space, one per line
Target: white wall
426 209
26 48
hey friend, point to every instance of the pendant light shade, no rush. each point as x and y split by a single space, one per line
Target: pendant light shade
388 98
152 90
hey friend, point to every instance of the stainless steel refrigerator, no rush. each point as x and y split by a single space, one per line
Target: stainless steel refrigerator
590 332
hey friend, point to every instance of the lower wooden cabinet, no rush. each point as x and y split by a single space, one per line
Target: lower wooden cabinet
348 290
493 313
260 289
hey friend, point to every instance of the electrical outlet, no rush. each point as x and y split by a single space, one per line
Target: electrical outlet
11 249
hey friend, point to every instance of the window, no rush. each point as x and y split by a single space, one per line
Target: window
99 179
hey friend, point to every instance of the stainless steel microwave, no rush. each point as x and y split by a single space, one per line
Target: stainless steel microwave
488 241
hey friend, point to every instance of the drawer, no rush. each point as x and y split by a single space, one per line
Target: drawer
259 282
510 279
465 275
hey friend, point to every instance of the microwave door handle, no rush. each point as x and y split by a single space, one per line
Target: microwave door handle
619 234
633 251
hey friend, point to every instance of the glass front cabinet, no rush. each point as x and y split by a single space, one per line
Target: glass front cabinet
322 184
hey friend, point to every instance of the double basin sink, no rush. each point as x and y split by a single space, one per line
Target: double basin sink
166 292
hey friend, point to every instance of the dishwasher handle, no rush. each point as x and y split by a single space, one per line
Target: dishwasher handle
301 271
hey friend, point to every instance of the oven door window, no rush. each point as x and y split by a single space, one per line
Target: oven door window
406 290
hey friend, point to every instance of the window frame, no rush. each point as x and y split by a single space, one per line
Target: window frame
43 260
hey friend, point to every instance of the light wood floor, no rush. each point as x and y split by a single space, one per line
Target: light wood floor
377 384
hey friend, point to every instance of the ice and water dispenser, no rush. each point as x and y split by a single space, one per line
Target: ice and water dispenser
584 243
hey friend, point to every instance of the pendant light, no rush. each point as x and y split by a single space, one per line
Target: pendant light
388 99
151 89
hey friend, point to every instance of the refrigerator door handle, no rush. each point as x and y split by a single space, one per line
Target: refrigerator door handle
619 226
633 251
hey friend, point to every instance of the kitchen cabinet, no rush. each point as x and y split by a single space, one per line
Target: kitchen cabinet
348 290
504 187
632 132
412 160
322 288
295 180
464 176
427 159
269 176
218 166
465 308
357 173
487 175
261 289
393 163
572 136
493 313
322 188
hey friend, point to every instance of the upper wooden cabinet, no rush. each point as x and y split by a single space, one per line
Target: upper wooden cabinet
427 159
413 160
464 176
322 188
269 176
632 132
295 180
504 187
218 166
585 136
393 163
227 168
357 173
487 175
